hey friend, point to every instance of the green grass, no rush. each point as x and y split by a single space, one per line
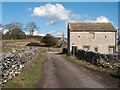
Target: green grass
23 42
52 51
18 40
89 65
10 84
29 76
20 51
6 50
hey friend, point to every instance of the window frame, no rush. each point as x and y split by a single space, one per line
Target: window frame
96 49
113 49
90 35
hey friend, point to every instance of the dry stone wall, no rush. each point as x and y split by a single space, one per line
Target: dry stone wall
13 63
103 60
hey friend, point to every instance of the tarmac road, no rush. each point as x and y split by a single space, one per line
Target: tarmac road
58 72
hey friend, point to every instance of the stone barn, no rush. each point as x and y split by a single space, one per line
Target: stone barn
95 37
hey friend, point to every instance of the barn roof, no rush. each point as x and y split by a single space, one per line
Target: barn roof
88 26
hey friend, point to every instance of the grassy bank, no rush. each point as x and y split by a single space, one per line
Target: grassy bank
89 65
23 42
6 50
29 76
52 51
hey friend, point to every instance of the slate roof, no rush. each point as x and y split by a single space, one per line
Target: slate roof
88 26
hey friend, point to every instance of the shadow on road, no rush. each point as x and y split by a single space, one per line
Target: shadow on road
113 75
116 77
59 53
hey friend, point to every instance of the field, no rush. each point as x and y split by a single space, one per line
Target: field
23 42
6 50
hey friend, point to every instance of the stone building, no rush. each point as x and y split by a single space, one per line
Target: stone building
96 37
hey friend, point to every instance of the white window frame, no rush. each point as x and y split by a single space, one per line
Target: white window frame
91 35
110 50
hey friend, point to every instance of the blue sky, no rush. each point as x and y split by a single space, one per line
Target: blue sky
51 22
60 0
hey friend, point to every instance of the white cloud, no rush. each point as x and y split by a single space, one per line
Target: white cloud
52 32
76 16
99 19
102 19
79 17
37 34
4 30
58 34
57 13
54 13
42 34
1 28
29 9
26 33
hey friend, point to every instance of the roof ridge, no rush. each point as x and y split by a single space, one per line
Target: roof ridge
91 22
91 26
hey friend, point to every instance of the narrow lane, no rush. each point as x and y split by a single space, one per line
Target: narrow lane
62 73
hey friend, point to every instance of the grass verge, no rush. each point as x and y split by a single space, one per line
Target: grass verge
29 76
89 65
52 50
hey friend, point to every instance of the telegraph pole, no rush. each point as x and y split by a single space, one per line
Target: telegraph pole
119 30
63 39
118 43
118 72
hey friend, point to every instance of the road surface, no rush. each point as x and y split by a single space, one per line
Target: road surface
58 72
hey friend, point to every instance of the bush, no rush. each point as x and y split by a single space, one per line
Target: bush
15 34
49 41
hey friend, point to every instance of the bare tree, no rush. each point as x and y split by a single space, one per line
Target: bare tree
1 27
13 25
31 27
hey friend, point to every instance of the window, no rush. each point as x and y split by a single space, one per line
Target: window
86 48
111 49
95 49
92 35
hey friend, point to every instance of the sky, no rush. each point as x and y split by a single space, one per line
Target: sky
52 17
60 0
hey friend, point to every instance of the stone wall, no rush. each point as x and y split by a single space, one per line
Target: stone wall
18 47
13 63
103 60
102 41
28 48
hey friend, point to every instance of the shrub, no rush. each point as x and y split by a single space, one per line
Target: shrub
49 41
